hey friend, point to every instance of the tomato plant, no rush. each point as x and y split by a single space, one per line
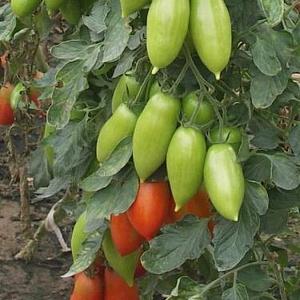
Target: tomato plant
149 103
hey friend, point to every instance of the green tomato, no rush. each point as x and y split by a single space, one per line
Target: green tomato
205 113
224 180
154 130
210 28
54 4
79 235
71 11
167 26
185 162
130 6
229 135
16 95
154 89
23 8
125 266
120 125
127 88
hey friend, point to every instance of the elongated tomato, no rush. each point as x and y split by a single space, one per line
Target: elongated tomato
130 6
210 27
167 26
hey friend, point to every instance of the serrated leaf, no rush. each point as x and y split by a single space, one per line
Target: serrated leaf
179 242
265 57
187 289
114 199
232 240
103 176
237 292
273 10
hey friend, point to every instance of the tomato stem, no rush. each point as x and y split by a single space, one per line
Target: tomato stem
179 78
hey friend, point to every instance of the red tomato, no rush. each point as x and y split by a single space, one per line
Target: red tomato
117 289
87 288
150 209
6 90
34 97
6 112
199 206
124 236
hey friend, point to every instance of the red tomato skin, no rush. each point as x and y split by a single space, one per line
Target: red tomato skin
124 236
87 288
199 206
117 289
6 112
6 90
150 209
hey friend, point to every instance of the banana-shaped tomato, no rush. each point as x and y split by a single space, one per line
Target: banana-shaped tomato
130 6
153 132
210 27
120 125
23 8
167 26
185 162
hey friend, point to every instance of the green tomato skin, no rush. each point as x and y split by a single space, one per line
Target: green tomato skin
23 8
54 4
130 6
210 28
127 88
78 235
229 135
154 130
16 95
185 162
205 113
125 266
167 26
120 125
71 11
155 88
224 180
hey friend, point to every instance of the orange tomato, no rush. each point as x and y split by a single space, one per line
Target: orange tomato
6 90
6 112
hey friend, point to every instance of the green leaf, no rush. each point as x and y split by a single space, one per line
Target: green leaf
116 35
267 138
117 161
294 140
56 185
273 10
184 240
96 20
264 89
8 23
116 198
281 199
237 292
232 240
258 168
255 279
257 196
274 221
265 57
187 289
285 173
88 252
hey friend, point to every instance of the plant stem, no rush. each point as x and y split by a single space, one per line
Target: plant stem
235 271
179 78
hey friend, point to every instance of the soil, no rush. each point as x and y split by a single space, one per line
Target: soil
38 279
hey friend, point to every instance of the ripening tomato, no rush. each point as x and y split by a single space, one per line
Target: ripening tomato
6 90
117 289
124 236
210 27
224 180
150 209
6 112
199 206
88 288
125 266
